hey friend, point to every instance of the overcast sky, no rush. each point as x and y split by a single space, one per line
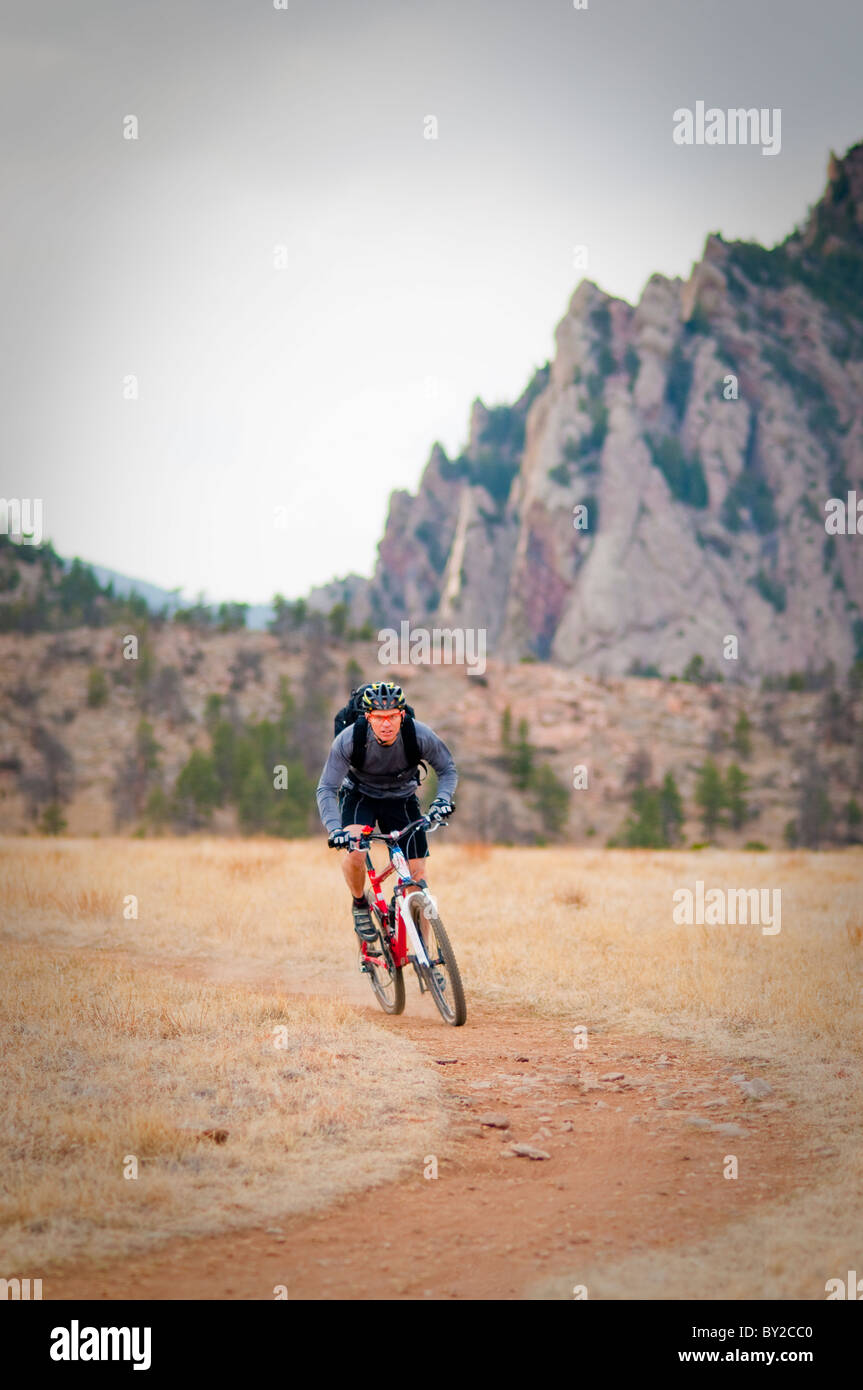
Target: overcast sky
420 273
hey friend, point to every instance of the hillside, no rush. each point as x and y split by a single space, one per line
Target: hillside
186 736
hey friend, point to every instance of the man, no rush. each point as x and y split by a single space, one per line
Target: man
382 792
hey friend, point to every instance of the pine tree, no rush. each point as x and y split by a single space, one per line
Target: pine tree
506 730
97 688
281 619
232 616
552 799
742 735
338 619
736 786
643 827
158 808
522 758
255 804
293 809
53 822
814 813
638 769
694 670
835 718
212 711
287 713
137 774
670 810
196 791
710 796
223 749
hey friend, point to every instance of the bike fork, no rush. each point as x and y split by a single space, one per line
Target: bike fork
419 960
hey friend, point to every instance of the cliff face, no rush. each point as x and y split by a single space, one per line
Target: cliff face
699 436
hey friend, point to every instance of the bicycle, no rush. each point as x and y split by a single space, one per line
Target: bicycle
409 932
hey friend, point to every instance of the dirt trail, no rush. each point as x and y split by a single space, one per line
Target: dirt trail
626 1170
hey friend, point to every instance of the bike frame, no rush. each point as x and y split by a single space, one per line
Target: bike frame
405 934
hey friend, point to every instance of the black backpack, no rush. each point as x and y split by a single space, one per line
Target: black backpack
351 713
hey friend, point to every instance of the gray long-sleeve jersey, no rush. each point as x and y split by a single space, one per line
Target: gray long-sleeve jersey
384 772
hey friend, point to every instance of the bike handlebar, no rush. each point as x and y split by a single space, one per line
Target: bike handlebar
392 837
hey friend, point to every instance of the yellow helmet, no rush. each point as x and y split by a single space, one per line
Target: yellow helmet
383 695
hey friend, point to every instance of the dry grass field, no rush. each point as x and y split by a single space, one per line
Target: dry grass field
111 1050
107 1063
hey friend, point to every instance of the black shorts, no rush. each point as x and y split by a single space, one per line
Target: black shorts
388 813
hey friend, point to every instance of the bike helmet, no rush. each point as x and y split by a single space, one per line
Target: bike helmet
383 695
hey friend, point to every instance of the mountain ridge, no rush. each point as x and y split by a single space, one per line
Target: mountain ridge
704 429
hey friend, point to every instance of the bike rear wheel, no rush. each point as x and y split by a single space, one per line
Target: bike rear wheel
441 976
387 979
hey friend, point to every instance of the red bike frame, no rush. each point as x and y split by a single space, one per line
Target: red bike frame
398 941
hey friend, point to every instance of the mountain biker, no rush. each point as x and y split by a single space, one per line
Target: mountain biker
382 793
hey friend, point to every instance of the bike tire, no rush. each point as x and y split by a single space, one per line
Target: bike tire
391 998
451 1004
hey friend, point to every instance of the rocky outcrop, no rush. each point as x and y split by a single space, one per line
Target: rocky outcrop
661 484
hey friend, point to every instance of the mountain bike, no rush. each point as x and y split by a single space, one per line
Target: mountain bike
410 931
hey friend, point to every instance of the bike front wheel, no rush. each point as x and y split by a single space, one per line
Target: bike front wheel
387 979
441 976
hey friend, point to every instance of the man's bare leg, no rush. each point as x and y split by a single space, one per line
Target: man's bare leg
417 868
354 865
